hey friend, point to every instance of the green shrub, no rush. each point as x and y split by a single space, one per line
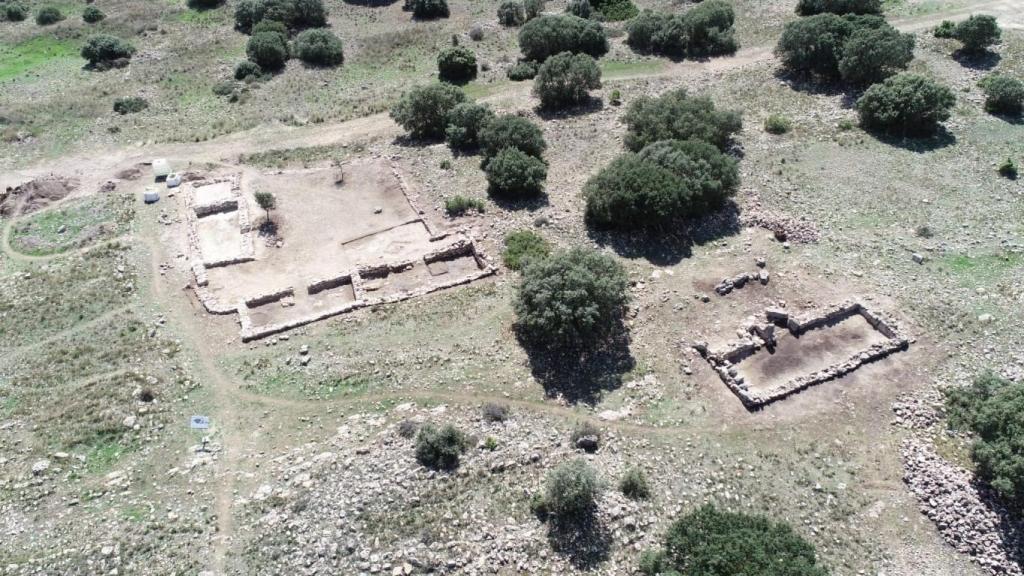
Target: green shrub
905 104
571 490
616 10
456 64
945 30
319 47
579 8
440 448
1003 94
223 88
676 115
458 205
978 32
493 412
513 174
777 124
203 4
546 36
268 50
102 48
429 9
709 28
615 97
571 298
714 543
871 55
634 485
274 26
48 15
13 12
511 131
566 79
532 8
423 111
464 124
130 105
654 563
812 7
993 409
92 15
1008 169
585 436
247 70
522 71
524 246
511 14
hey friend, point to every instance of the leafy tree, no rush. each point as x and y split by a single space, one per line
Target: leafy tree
440 448
266 201
630 193
48 15
906 104
709 28
566 79
634 485
676 115
945 30
1003 94
532 8
571 491
456 64
573 298
511 14
464 124
871 55
511 131
814 44
430 9
658 33
993 409
513 174
269 50
579 8
546 36
524 246
977 33
248 13
319 47
92 15
274 26
711 176
710 542
812 7
424 110
102 48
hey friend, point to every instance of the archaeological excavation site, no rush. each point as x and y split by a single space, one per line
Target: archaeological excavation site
511 287
341 239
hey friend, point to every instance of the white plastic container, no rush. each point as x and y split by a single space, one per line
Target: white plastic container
151 195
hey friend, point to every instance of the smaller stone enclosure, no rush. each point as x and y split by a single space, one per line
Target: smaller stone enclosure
788 353
339 241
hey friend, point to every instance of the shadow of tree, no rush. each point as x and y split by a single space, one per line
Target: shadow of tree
590 106
939 139
984 60
528 204
581 375
665 246
585 542
1011 525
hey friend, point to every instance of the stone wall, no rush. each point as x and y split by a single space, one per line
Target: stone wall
761 335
